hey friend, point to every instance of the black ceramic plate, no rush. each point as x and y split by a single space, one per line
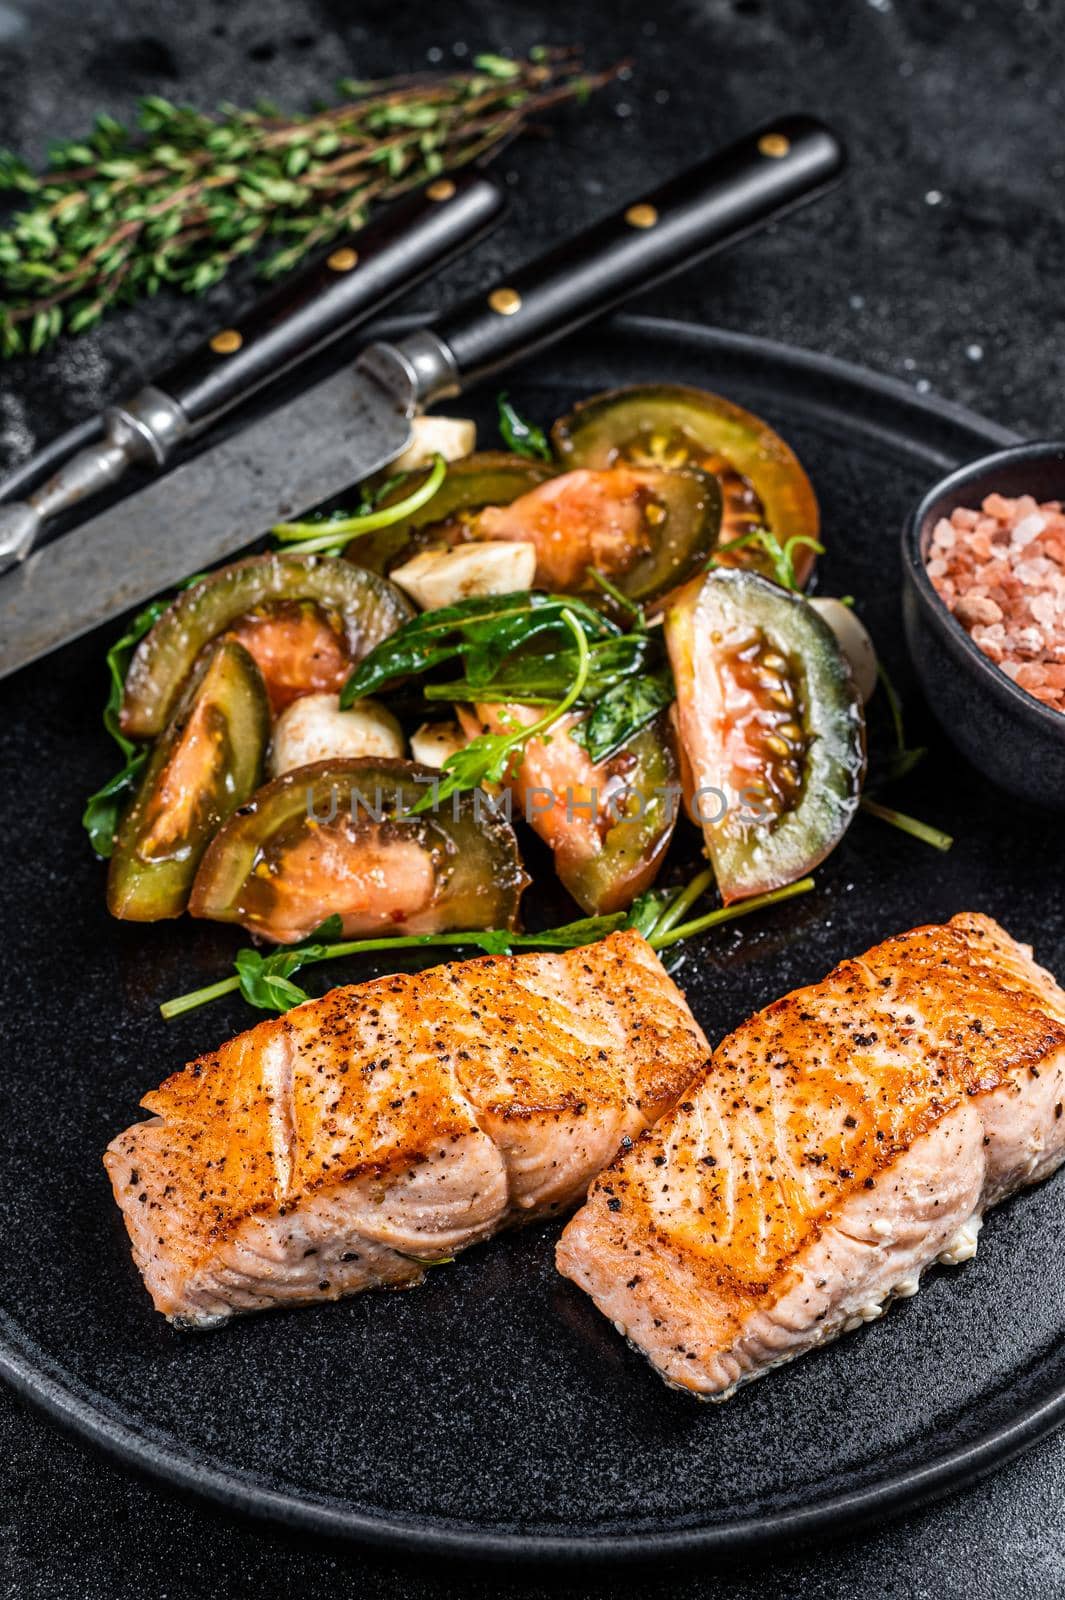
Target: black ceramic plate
493 1410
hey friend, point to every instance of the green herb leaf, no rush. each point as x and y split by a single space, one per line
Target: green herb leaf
679 904
781 556
483 632
486 758
646 910
267 986
118 659
524 438
264 980
536 674
497 66
183 197
619 713
332 533
103 809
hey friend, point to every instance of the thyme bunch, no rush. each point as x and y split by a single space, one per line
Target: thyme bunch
177 200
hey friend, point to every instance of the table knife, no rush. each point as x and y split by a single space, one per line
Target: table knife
355 422
327 300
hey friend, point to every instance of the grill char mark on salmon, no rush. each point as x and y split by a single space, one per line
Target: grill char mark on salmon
342 1146
836 1145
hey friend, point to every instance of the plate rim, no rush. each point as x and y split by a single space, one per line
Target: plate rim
415 1534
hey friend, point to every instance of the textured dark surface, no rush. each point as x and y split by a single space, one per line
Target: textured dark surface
960 103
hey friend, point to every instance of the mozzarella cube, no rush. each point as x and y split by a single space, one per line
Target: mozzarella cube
436 578
854 641
314 728
450 437
433 742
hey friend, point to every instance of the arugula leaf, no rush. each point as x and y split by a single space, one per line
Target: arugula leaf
483 632
266 988
646 910
486 758
264 980
781 556
105 806
118 660
524 438
333 532
619 713
532 676
103 809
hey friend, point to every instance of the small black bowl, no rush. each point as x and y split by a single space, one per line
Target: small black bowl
1012 738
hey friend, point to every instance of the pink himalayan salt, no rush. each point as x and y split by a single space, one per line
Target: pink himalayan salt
1001 571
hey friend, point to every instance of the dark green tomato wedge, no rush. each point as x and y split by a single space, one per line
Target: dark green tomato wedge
333 839
361 608
608 824
672 426
771 728
207 762
639 808
642 528
486 478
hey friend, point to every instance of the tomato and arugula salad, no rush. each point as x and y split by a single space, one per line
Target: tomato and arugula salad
598 635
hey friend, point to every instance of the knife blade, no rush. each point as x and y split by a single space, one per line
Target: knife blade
356 422
205 509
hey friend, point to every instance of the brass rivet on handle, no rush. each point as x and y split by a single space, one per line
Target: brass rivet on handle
641 216
442 189
774 144
343 260
226 343
505 301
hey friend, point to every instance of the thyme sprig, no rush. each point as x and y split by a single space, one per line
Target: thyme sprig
178 199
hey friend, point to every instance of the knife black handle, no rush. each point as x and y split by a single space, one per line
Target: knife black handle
733 192
354 280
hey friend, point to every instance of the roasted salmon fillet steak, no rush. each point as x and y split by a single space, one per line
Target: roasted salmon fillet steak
348 1143
836 1145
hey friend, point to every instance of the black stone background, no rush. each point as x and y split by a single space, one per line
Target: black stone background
941 262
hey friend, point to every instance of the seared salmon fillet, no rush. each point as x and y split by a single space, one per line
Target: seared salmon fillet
837 1144
349 1142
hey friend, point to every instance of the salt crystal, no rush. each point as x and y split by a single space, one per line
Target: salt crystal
1027 529
1001 572
1027 641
